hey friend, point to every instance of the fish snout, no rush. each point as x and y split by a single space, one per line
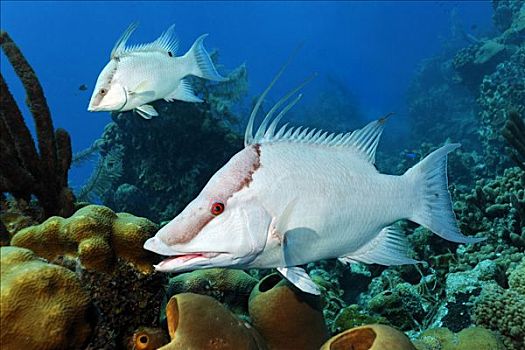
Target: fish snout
156 245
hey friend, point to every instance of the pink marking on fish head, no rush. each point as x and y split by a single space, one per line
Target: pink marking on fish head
216 224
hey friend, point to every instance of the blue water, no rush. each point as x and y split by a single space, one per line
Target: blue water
373 47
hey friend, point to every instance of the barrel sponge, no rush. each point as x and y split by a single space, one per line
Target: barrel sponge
369 337
43 306
286 317
95 235
201 322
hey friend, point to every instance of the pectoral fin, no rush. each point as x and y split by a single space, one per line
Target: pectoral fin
183 92
389 247
146 111
299 278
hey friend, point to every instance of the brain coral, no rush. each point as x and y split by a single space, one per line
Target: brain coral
95 235
501 310
42 306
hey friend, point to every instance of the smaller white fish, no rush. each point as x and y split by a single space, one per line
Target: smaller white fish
139 74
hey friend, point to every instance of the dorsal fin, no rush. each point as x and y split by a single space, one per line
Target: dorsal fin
166 42
363 141
120 45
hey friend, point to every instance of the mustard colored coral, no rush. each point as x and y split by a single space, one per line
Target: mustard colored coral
95 235
43 306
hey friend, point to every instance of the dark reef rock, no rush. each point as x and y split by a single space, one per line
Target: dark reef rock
505 13
124 301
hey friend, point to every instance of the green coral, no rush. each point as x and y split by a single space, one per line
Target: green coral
401 306
501 309
354 316
229 286
477 338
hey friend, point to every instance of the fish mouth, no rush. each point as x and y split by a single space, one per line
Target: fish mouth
181 262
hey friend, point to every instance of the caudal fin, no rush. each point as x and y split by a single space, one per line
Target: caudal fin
199 61
435 209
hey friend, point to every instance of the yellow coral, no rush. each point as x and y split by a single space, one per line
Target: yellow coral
43 306
95 235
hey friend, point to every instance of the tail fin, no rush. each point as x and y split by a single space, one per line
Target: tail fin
200 63
435 209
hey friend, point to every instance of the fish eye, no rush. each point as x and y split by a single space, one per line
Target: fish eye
217 208
102 91
170 53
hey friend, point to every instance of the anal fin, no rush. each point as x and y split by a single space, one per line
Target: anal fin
299 278
146 111
389 247
183 92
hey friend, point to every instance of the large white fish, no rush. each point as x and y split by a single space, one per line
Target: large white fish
298 195
140 74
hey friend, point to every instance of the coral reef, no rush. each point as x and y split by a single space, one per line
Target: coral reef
469 338
16 215
228 286
474 62
369 337
43 306
24 171
124 300
167 160
354 316
501 92
401 305
501 309
506 13
200 322
514 133
286 317
494 209
95 235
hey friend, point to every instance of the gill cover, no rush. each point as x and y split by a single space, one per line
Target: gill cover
108 94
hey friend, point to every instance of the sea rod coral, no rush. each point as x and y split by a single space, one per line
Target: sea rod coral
23 170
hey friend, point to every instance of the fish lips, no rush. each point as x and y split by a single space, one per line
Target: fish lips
177 261
191 261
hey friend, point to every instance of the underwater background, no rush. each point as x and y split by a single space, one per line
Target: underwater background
76 212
